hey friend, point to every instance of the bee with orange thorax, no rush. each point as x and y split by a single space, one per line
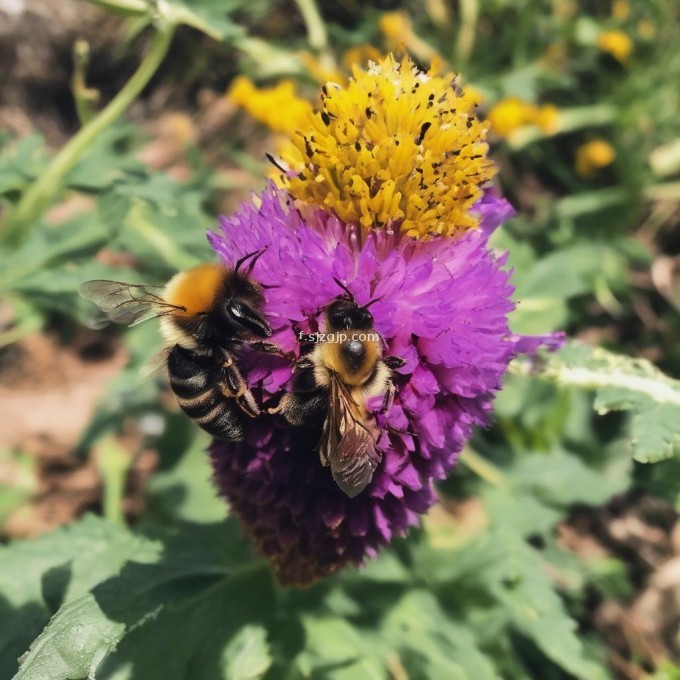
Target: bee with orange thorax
333 383
207 314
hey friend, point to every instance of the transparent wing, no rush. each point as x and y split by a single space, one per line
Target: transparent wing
347 443
126 303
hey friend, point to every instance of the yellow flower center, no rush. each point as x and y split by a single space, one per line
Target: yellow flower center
395 149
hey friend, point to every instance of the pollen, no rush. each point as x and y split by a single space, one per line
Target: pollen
397 149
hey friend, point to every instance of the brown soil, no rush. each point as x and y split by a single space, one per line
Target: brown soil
49 393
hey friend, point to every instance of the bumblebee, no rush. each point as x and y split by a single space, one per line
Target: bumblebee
333 383
207 314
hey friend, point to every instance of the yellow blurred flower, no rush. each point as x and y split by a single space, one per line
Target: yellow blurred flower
398 30
616 43
646 29
592 156
509 115
620 9
397 148
322 69
278 107
513 113
360 54
547 117
554 55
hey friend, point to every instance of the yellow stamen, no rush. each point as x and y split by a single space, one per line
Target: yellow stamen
395 149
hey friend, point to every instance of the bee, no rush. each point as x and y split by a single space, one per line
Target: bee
333 383
207 314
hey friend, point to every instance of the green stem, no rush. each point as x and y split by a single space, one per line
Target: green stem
668 191
570 120
114 463
41 193
465 42
316 29
83 95
482 467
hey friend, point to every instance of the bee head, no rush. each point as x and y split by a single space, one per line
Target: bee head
237 313
344 314
347 315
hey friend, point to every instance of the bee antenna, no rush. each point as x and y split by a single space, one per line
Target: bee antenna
372 302
345 288
254 255
275 163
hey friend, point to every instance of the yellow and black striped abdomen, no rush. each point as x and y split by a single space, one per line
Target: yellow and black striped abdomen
195 380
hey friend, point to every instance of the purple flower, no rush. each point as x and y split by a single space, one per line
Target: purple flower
439 304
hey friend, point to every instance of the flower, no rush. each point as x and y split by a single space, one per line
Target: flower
616 43
396 149
397 28
440 304
278 107
512 113
592 156
620 9
387 199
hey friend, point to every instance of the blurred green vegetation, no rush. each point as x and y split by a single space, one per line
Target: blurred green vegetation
487 595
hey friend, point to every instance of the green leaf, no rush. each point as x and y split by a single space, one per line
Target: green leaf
186 492
160 576
431 645
621 383
21 161
336 650
247 654
38 576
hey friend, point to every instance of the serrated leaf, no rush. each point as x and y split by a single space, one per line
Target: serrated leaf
620 383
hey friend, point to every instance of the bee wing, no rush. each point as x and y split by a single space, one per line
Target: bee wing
347 444
156 362
126 303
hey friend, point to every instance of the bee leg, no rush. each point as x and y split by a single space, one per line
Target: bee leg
304 364
400 431
232 385
394 362
301 409
323 450
304 339
271 348
388 399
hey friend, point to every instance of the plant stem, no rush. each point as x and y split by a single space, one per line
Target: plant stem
41 193
465 42
316 29
113 462
570 120
482 467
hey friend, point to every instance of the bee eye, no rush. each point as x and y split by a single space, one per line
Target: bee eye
242 318
236 311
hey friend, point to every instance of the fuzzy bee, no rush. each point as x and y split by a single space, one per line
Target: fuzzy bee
207 315
333 383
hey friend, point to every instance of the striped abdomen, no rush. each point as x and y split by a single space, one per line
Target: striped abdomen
195 380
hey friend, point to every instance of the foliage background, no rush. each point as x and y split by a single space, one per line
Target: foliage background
555 551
